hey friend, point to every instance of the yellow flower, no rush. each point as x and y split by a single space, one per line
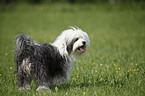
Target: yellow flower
107 66
101 64
115 68
134 70
127 70
11 68
119 68
77 76
114 64
43 93
100 80
0 74
96 71
137 69
6 54
131 63
84 93
135 64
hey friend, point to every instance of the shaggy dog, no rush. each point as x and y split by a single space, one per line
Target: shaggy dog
48 64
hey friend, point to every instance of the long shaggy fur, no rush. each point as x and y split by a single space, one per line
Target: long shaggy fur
48 64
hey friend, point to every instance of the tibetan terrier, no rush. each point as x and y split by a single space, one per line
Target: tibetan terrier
48 64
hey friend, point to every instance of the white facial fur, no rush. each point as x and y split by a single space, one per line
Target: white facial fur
67 37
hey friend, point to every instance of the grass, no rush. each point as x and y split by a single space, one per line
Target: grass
115 63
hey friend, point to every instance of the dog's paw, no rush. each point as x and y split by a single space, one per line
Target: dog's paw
43 88
23 88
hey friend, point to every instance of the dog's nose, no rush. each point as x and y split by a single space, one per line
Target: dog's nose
84 42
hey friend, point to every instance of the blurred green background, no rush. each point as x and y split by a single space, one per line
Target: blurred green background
71 1
114 65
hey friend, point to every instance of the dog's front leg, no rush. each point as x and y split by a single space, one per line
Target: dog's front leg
43 79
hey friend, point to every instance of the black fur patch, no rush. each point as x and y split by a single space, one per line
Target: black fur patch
70 45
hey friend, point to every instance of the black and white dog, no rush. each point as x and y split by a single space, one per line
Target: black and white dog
49 64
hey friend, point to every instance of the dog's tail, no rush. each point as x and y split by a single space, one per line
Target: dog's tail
23 42
25 47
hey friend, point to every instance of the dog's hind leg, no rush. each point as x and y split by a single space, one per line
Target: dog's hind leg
24 78
24 82
20 77
27 81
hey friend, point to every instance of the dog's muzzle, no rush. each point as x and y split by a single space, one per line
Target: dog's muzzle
83 47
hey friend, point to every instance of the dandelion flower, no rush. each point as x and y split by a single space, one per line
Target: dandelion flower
128 70
107 66
6 54
84 93
43 93
0 74
137 69
101 64
134 70
119 68
114 64
96 71
77 76
135 64
11 68
115 68
99 80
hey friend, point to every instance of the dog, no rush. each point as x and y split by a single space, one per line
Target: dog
48 64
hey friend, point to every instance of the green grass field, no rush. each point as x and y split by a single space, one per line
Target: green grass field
115 63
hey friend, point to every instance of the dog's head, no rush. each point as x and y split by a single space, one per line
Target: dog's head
77 42
73 42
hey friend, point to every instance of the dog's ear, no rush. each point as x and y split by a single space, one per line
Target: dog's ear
69 48
70 45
